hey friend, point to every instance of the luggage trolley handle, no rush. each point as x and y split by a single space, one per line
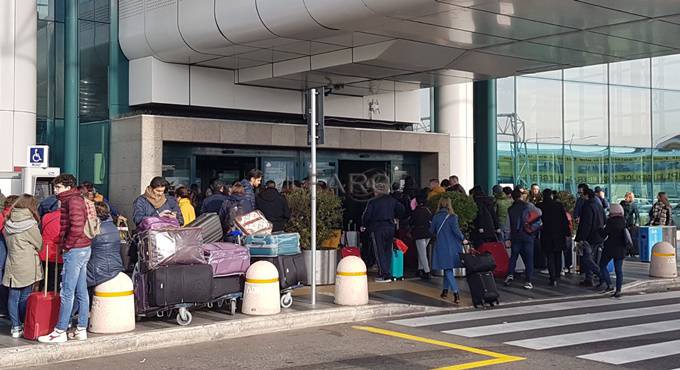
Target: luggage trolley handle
47 264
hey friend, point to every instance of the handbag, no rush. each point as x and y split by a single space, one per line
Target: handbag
627 238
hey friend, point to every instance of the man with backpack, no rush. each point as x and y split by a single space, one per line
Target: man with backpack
525 222
75 226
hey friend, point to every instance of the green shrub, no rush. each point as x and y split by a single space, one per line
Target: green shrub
328 212
463 205
567 199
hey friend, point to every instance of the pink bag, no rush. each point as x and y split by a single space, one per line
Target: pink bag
156 223
227 259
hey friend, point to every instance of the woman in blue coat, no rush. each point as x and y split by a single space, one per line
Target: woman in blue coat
448 246
105 262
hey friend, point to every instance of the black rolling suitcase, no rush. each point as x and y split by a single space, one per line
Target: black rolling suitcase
292 269
210 225
483 289
170 285
226 285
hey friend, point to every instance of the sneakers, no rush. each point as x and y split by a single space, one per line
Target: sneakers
78 334
528 286
383 280
57 336
17 332
508 280
617 294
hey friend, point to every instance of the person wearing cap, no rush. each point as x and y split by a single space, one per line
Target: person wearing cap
616 239
379 219
599 195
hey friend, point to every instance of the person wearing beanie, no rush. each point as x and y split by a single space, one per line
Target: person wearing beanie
617 238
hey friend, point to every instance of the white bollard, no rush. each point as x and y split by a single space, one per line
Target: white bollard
262 294
663 263
113 306
351 282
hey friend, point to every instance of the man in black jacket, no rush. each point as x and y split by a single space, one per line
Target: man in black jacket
274 206
379 218
554 233
591 221
213 203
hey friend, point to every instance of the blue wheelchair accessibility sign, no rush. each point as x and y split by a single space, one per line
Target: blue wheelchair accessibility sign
38 156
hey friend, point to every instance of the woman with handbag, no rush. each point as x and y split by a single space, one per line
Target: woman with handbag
617 241
448 246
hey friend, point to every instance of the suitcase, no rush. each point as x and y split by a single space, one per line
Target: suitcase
226 285
42 310
170 285
478 263
155 223
210 225
271 250
253 223
172 247
500 257
286 243
292 269
227 258
483 289
141 288
397 264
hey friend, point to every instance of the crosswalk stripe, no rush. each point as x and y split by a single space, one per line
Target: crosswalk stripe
600 335
640 353
523 310
513 327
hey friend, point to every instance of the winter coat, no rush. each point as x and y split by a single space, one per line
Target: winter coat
421 221
590 223
448 241
213 203
661 215
517 217
555 226
502 203
187 210
274 207
50 235
105 261
631 213
615 243
250 193
73 218
235 205
22 235
143 209
435 191
486 220
381 212
406 202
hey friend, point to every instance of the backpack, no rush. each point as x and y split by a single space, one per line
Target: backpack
93 225
532 220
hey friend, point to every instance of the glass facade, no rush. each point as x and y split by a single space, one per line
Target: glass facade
613 125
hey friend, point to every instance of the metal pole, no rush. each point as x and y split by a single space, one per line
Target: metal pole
71 89
312 101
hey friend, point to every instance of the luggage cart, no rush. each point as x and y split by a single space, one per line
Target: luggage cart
287 295
230 299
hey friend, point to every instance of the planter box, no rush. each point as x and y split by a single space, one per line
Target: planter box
326 263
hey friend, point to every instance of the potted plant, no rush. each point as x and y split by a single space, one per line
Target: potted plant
464 207
328 220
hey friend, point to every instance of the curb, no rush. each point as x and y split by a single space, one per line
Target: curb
652 286
43 354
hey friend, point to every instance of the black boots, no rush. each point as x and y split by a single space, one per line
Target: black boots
445 293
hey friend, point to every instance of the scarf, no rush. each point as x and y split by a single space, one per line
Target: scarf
155 200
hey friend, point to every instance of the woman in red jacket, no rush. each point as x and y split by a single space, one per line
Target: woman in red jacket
50 226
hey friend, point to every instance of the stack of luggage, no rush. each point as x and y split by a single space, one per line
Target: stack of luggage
480 278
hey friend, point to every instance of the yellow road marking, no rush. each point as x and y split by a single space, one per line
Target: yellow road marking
496 358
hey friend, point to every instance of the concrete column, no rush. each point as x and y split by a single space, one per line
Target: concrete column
18 74
453 116
485 134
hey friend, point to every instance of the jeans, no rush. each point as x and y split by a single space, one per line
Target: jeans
588 261
16 304
3 289
421 246
383 239
450 281
618 268
74 287
568 257
525 249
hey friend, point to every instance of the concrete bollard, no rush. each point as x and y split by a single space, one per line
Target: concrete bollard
663 263
351 283
262 293
113 306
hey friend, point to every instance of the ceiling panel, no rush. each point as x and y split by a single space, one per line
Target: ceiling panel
550 54
363 70
408 55
444 36
491 24
488 65
674 19
430 79
232 63
269 55
567 13
354 39
657 32
601 44
647 8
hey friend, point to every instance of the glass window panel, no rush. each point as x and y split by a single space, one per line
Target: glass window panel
630 73
51 10
585 164
94 152
101 11
545 166
93 42
44 58
666 118
666 72
58 70
539 105
595 74
585 113
667 176
505 163
631 171
553 75
630 116
505 95
86 9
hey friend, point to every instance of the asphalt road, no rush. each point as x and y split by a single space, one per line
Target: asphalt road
641 332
